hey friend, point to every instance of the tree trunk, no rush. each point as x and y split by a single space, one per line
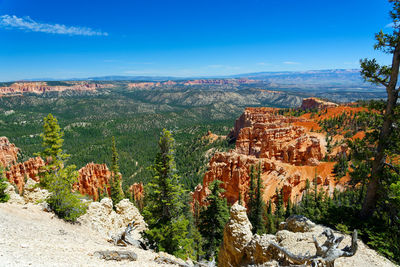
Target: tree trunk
380 155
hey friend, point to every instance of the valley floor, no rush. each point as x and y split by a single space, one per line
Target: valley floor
31 237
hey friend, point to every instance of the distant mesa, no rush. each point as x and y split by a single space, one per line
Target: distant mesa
19 88
219 82
143 85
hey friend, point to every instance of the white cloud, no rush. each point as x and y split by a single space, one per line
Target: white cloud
291 63
28 24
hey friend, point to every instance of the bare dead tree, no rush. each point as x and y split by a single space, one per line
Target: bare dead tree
326 254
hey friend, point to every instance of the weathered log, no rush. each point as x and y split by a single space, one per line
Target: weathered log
326 254
124 238
116 255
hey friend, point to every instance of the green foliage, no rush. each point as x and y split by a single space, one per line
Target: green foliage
257 208
213 219
340 167
62 201
3 186
168 228
116 192
57 177
52 152
52 140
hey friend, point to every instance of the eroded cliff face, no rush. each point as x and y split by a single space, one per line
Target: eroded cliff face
19 173
93 177
137 191
8 152
42 87
315 103
288 154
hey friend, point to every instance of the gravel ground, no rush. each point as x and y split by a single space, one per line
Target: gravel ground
32 237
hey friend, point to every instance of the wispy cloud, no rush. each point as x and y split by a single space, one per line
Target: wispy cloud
291 63
263 64
28 24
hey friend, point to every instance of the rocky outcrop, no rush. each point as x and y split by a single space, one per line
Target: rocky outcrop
237 236
297 223
15 198
101 217
315 103
19 173
137 191
42 87
93 177
33 193
241 248
8 152
287 153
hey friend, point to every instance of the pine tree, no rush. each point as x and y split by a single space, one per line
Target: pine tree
57 177
387 131
52 150
116 192
168 228
258 222
252 195
213 219
3 186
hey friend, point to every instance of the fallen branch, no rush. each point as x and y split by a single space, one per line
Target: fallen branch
326 254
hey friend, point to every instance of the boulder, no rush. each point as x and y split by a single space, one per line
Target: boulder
297 223
237 236
101 217
33 193
15 198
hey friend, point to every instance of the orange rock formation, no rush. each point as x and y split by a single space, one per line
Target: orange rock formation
288 154
93 177
20 172
315 103
137 191
8 152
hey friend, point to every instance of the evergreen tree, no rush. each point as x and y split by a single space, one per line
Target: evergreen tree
168 228
387 131
62 201
57 177
252 195
213 219
258 222
52 150
116 192
3 186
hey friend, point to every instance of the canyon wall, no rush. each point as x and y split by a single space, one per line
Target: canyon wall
93 177
287 153
8 152
315 103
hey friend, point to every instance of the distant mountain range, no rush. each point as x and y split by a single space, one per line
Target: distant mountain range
313 78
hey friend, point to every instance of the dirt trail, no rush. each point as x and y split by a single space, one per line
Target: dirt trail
31 237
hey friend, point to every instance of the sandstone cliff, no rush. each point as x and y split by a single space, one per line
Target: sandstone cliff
288 153
315 103
93 177
8 152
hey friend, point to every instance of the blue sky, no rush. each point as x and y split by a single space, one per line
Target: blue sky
64 39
